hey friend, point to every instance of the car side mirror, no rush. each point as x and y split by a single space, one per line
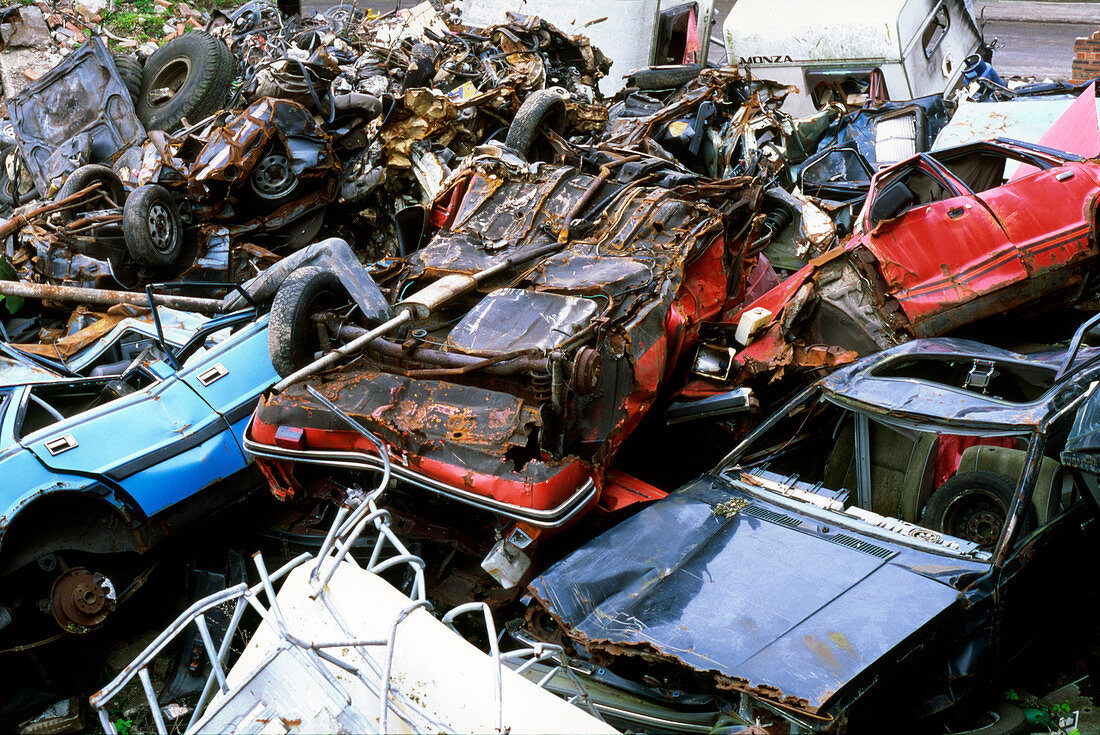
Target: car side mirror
893 200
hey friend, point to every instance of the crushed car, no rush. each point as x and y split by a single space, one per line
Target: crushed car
518 348
944 239
876 549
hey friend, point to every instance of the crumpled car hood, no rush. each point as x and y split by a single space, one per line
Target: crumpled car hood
772 610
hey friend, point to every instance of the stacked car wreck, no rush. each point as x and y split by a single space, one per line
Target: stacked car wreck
462 292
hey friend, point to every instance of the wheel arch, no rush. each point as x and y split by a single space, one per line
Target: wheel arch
67 520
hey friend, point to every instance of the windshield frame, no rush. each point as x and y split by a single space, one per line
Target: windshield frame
851 515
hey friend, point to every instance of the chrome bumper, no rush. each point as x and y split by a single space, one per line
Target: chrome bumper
551 518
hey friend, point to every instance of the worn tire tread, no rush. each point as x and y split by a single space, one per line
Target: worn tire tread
129 70
287 337
135 226
540 107
665 77
216 73
82 177
1012 720
936 507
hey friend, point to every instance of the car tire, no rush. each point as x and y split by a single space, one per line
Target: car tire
664 77
292 339
999 719
151 226
7 186
196 70
973 506
129 70
86 176
541 107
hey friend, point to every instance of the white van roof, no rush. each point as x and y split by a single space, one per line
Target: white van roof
815 31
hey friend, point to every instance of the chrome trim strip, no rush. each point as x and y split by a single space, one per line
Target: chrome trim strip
551 518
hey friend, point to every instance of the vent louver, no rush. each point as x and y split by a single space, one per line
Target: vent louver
858 545
770 515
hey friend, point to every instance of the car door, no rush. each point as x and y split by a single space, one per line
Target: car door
231 376
159 443
945 258
1047 215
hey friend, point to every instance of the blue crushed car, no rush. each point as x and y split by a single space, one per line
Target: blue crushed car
108 453
876 549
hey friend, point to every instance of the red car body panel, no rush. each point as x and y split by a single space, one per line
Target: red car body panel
959 258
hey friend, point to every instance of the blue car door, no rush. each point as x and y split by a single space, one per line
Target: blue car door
151 435
232 375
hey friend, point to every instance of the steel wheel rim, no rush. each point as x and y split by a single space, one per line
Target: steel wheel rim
977 515
273 178
162 228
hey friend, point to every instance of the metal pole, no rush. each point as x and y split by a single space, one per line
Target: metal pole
106 297
334 357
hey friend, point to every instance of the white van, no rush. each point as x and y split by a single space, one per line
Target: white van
840 49
633 34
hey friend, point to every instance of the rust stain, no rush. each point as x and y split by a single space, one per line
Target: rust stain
822 650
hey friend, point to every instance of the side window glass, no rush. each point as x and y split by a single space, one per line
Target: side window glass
935 31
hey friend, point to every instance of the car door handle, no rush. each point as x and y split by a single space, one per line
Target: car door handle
956 212
61 444
208 376
1064 176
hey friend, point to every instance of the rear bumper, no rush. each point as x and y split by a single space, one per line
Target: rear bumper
582 497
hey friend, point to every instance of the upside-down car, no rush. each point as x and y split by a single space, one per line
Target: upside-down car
514 396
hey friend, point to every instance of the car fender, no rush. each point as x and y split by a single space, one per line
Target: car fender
70 513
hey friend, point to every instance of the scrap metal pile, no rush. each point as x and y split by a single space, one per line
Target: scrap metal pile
469 268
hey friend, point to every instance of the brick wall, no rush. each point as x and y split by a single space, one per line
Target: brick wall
1086 58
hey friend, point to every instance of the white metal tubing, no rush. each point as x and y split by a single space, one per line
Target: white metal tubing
494 649
151 696
208 644
349 644
295 641
100 698
281 572
384 695
330 538
338 558
223 651
373 685
272 603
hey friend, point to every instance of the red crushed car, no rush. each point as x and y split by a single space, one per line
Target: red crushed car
944 239
514 398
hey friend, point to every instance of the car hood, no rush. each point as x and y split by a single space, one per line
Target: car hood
764 599
14 371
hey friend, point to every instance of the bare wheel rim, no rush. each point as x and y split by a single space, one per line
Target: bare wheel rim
976 515
168 81
162 229
272 177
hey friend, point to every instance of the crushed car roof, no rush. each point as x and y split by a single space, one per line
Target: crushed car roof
868 384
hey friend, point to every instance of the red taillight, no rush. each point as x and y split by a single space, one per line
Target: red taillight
290 437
